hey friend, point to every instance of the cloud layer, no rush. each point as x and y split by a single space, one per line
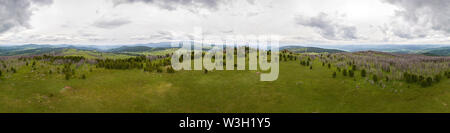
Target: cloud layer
192 5
109 24
419 17
17 13
328 27
296 21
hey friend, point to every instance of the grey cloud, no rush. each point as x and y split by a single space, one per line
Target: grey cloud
160 35
251 2
109 24
83 33
228 31
251 14
349 32
174 4
55 38
164 35
408 34
42 2
425 12
17 13
328 27
401 30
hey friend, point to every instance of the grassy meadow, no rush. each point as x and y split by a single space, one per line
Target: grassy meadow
297 89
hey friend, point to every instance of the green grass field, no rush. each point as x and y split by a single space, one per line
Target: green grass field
298 89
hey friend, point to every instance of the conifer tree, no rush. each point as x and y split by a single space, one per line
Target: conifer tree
344 72
363 73
351 73
375 78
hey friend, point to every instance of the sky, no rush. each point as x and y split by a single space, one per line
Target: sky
109 22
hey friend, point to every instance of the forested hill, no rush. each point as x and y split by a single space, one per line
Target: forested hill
301 49
132 49
444 51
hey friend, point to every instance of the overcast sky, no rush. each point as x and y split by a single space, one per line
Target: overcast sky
103 22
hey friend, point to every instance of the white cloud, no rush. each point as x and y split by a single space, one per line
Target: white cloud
114 23
329 27
297 21
433 13
17 13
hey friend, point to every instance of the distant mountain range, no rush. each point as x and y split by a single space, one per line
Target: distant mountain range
301 49
135 49
442 51
426 49
31 49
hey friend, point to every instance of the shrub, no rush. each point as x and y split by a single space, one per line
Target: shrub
437 78
387 69
351 73
148 68
170 70
414 78
406 77
83 76
375 78
429 81
423 84
421 78
447 74
354 67
363 73
344 72
67 76
159 69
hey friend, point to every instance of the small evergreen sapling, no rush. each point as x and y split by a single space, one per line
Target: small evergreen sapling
344 72
363 73
351 73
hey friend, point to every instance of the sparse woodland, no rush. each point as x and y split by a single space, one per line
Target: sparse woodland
308 82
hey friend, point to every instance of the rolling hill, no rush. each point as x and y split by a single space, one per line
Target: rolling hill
443 51
43 86
301 49
135 49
